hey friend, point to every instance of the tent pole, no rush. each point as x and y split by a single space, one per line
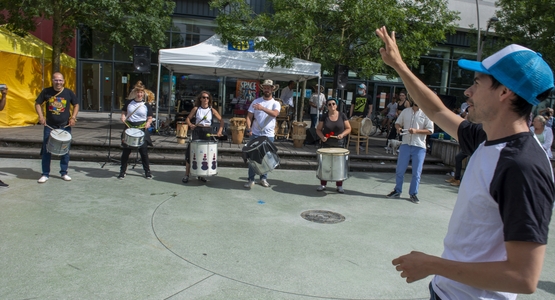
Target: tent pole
158 97
170 95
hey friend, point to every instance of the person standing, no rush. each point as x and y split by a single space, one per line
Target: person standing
496 240
136 114
202 114
413 148
317 103
3 102
58 116
543 133
331 123
287 94
362 105
261 121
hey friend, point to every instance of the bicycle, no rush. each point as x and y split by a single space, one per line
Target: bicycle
377 120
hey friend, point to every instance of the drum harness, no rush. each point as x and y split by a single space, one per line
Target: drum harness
138 126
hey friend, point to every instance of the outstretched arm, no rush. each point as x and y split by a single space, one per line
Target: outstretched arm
426 99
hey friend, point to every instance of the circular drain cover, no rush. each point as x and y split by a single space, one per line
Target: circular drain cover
322 216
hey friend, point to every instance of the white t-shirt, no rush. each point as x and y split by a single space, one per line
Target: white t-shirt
417 120
264 124
287 96
314 99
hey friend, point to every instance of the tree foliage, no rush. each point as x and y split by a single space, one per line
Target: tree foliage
126 23
337 31
529 23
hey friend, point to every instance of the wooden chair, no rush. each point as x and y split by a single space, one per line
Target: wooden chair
356 137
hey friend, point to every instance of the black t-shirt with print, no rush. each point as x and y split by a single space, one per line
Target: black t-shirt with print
57 106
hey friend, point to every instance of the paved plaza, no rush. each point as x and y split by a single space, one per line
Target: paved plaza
97 237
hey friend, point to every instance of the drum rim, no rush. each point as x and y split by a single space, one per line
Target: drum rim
324 151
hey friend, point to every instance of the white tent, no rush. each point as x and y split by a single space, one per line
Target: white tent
212 57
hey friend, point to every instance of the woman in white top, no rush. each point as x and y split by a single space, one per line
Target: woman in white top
543 133
199 121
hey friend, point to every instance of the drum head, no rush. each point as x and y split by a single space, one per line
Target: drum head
332 151
134 132
61 135
366 126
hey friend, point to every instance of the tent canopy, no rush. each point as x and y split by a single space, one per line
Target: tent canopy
212 57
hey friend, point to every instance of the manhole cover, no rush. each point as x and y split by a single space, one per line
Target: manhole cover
322 216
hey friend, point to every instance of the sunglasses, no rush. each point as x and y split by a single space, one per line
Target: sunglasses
331 104
205 97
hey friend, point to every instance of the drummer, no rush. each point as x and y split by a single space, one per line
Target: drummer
136 114
332 129
261 121
58 100
199 121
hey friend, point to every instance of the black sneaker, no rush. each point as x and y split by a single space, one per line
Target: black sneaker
148 175
202 179
121 175
185 179
414 199
394 194
4 184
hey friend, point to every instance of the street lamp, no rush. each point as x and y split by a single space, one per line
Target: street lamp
482 43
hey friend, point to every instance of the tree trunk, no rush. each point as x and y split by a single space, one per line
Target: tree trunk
56 35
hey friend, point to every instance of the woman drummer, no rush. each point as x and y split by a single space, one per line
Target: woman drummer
332 129
135 114
199 121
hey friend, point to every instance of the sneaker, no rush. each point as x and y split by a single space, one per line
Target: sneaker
249 184
66 178
264 183
4 184
456 183
43 179
202 179
148 175
414 199
121 175
340 190
450 180
394 194
321 188
185 179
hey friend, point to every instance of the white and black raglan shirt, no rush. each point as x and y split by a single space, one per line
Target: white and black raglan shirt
506 195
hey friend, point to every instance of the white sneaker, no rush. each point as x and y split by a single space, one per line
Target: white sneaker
249 184
43 179
66 178
321 188
264 183
340 190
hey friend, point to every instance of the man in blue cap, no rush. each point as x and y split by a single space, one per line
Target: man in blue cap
362 104
496 239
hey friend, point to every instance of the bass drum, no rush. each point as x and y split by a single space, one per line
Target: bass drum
204 158
261 155
333 164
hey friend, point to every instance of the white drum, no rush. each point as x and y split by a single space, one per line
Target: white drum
58 142
134 137
204 158
366 126
333 164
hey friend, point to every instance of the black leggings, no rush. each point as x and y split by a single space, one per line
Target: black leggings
458 164
143 151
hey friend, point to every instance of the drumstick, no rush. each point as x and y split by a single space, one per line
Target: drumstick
48 126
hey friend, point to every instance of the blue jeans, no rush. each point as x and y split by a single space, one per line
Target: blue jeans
407 153
251 170
313 120
47 157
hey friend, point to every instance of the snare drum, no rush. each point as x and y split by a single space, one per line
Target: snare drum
134 137
333 164
261 155
58 142
204 158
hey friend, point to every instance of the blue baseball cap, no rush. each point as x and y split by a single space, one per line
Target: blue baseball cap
518 68
362 86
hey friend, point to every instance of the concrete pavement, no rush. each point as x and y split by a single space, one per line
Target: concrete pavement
97 237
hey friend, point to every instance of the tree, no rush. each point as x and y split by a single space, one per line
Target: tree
529 23
337 31
118 22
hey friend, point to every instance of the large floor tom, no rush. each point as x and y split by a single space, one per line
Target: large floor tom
204 158
261 155
333 164
58 142
134 137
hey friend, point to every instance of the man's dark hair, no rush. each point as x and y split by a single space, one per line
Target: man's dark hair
520 106
290 81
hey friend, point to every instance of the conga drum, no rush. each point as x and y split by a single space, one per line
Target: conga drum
356 123
333 164
204 158
181 131
237 127
298 134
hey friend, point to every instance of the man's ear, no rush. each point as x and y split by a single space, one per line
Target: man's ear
506 94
